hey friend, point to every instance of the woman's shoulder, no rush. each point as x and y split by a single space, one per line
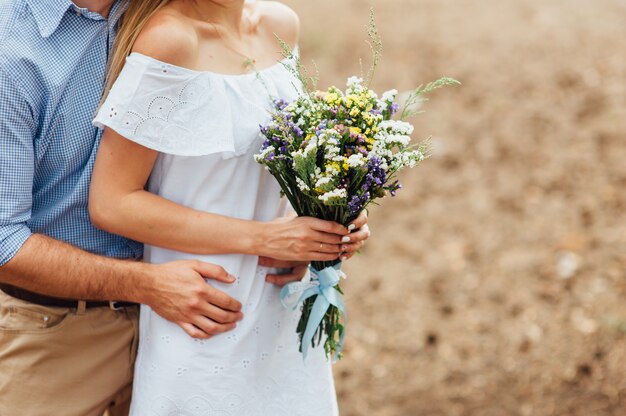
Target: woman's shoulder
168 37
278 19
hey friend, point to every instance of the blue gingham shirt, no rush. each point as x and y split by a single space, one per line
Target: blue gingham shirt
53 58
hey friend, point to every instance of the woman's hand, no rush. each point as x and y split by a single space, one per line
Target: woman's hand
302 239
311 239
359 234
298 269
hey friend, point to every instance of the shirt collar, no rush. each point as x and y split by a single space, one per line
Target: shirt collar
118 9
49 13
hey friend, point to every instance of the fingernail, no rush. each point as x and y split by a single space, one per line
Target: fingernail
351 227
344 248
232 278
345 239
343 258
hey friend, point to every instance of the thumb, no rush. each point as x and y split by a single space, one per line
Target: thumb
213 271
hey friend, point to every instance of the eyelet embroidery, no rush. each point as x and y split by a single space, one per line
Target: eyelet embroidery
170 124
262 398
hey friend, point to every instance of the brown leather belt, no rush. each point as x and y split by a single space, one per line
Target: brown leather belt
56 302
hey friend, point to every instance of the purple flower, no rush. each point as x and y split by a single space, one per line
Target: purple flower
297 130
354 205
321 127
393 188
375 175
280 104
373 184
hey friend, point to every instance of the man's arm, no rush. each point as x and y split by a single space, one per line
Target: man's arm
51 267
176 291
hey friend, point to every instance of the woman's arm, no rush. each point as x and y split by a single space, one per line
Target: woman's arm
119 204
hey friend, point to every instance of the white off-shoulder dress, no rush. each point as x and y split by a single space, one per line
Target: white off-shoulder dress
206 127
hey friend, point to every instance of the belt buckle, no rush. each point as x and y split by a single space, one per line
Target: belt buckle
113 304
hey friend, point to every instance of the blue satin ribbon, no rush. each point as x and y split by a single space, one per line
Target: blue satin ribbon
323 286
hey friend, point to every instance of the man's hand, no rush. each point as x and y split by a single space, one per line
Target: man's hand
179 293
298 270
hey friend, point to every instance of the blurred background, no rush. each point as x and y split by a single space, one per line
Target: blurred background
495 282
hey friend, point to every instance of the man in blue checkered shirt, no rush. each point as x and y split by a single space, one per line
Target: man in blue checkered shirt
65 348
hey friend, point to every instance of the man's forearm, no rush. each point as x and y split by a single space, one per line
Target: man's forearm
54 268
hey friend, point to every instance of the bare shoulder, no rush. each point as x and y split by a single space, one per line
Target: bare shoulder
279 19
168 37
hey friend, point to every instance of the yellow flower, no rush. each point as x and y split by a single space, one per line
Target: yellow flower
351 99
355 130
333 165
332 98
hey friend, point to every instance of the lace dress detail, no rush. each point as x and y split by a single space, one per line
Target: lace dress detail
205 127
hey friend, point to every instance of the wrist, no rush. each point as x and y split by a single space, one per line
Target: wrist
257 238
143 283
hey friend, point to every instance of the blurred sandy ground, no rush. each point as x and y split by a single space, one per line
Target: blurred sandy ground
495 283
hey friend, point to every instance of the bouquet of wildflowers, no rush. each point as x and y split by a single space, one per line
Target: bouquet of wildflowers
333 153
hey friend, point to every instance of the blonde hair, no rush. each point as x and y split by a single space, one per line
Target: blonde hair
135 18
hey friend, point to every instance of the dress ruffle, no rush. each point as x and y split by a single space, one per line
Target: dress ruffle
182 112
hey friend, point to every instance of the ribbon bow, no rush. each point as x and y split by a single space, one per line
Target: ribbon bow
323 287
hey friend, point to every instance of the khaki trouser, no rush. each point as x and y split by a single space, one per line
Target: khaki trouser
65 362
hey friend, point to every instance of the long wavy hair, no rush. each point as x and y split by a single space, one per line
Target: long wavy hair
135 18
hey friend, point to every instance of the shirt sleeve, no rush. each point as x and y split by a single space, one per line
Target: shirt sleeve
17 130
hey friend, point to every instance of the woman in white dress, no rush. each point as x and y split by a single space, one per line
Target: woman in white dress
176 171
